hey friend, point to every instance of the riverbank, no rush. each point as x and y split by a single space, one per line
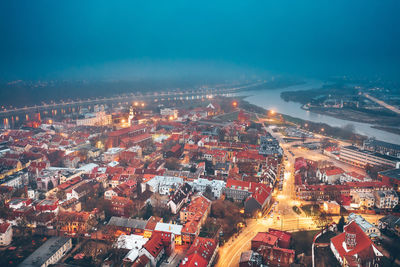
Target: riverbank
384 123
341 133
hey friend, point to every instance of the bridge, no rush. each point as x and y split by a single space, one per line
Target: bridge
152 97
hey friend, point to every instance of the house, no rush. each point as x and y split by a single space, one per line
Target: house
390 223
49 253
276 256
153 249
194 216
391 177
284 237
353 247
250 259
216 186
201 253
133 243
127 225
371 230
180 197
263 239
121 206
75 222
386 199
331 207
259 199
6 234
174 152
363 200
330 174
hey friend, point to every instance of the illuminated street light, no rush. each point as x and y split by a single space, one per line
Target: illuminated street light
234 104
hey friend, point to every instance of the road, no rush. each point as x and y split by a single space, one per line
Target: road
382 103
284 218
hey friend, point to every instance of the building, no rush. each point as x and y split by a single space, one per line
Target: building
362 158
331 207
95 119
179 198
269 146
330 174
387 199
6 234
353 247
75 222
250 259
194 216
127 225
363 200
201 253
49 253
216 186
116 137
263 239
276 256
284 237
371 230
391 177
390 223
170 113
382 147
153 249
259 200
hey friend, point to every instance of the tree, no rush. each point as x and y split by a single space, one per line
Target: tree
208 193
61 194
322 220
148 211
50 185
341 224
172 163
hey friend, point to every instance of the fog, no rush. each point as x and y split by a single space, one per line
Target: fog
107 40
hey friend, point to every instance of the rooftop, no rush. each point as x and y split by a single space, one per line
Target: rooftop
45 251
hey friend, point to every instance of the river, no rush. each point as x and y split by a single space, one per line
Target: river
271 99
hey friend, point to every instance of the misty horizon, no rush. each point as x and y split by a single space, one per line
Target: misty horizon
45 40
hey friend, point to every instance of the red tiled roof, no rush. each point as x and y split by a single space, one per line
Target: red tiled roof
154 245
127 130
363 242
4 227
334 171
265 238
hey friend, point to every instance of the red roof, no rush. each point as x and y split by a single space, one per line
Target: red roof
203 247
194 260
154 245
363 242
127 130
335 171
265 238
4 227
282 235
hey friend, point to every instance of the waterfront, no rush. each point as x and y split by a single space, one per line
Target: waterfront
271 99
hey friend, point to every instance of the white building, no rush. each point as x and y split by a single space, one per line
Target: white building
371 230
363 199
112 154
95 119
5 234
387 199
169 112
164 184
215 185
